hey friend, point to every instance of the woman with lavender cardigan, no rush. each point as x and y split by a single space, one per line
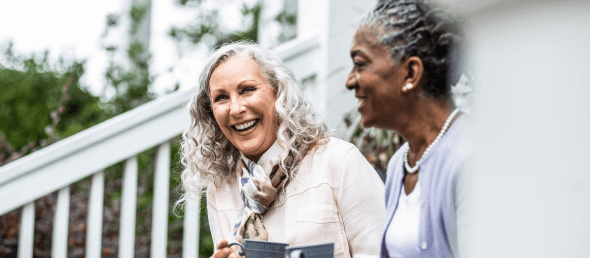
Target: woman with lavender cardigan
406 56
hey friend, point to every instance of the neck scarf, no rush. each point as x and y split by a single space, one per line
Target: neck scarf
259 185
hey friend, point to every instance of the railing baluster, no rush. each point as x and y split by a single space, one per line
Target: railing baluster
59 245
27 231
160 212
128 212
95 211
190 238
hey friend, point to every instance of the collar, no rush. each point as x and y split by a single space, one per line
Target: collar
270 158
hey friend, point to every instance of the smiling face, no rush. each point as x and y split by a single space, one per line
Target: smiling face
377 81
243 105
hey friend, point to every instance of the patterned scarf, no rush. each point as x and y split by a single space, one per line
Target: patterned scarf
259 187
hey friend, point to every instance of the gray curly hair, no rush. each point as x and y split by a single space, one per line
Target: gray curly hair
421 28
209 157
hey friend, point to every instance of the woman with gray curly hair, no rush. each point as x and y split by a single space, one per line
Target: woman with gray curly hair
271 170
406 56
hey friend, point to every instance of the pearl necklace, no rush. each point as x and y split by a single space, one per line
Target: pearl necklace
412 170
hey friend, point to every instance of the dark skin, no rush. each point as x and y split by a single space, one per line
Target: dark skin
391 97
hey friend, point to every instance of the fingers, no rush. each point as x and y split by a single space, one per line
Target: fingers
233 255
223 251
223 243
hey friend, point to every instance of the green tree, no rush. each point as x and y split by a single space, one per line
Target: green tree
41 103
208 27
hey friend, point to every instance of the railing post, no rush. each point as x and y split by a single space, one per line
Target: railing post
190 238
160 211
59 245
27 231
128 209
95 210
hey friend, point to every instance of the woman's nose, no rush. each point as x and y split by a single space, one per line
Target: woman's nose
236 107
351 82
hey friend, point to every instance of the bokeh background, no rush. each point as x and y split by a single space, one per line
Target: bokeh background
66 66
69 69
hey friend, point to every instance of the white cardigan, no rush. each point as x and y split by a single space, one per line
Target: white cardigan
336 196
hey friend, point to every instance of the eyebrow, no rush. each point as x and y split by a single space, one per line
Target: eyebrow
241 83
220 91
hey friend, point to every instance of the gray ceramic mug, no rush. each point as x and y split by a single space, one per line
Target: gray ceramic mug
311 251
261 249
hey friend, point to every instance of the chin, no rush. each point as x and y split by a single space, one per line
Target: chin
252 149
366 122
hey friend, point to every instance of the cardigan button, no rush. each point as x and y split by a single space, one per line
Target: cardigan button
423 245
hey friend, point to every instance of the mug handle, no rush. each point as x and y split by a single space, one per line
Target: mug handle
241 253
297 254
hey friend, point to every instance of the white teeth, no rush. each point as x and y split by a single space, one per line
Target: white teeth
245 125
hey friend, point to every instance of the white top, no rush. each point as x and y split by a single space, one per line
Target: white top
336 196
403 230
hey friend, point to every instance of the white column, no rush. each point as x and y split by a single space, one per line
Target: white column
128 212
336 22
95 210
160 212
190 238
27 231
59 244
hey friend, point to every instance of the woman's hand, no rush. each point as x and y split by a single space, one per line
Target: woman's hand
224 251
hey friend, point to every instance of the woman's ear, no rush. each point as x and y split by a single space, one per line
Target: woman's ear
415 70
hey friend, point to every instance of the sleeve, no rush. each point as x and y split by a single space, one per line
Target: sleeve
361 204
213 217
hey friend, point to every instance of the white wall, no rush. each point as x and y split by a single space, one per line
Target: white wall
529 189
335 21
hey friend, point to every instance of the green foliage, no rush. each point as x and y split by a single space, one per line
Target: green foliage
41 103
285 18
207 26
137 14
288 19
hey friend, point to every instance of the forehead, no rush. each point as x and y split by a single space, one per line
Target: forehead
235 69
366 42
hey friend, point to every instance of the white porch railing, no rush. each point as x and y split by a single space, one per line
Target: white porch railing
121 138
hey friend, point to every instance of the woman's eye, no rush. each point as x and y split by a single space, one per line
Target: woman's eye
248 89
219 98
358 63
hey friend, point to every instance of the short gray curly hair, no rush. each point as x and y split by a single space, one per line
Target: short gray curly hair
424 29
209 157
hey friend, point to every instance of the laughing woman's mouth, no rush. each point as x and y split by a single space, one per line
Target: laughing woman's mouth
245 126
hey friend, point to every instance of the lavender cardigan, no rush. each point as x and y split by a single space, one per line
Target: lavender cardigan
438 173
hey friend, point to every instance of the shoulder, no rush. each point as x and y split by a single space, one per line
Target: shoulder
338 152
336 158
456 149
335 147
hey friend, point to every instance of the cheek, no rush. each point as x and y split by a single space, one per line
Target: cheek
270 113
218 115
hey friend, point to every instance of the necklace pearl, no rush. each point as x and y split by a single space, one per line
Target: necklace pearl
412 170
